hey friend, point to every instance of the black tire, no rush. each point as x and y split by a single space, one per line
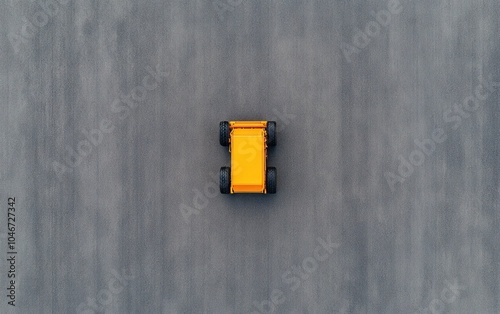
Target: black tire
271 180
271 133
225 180
224 133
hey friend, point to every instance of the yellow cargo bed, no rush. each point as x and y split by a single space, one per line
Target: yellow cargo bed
248 160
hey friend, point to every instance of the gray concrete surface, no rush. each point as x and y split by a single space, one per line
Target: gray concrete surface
134 225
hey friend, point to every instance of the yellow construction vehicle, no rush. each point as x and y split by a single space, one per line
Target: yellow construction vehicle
248 142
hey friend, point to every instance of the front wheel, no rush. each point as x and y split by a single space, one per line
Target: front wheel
224 133
225 180
271 180
271 133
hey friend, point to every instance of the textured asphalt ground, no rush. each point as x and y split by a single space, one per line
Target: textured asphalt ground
134 224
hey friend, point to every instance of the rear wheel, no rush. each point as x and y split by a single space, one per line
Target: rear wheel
224 133
271 180
271 133
225 180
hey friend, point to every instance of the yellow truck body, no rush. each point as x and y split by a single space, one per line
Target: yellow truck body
248 143
248 156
